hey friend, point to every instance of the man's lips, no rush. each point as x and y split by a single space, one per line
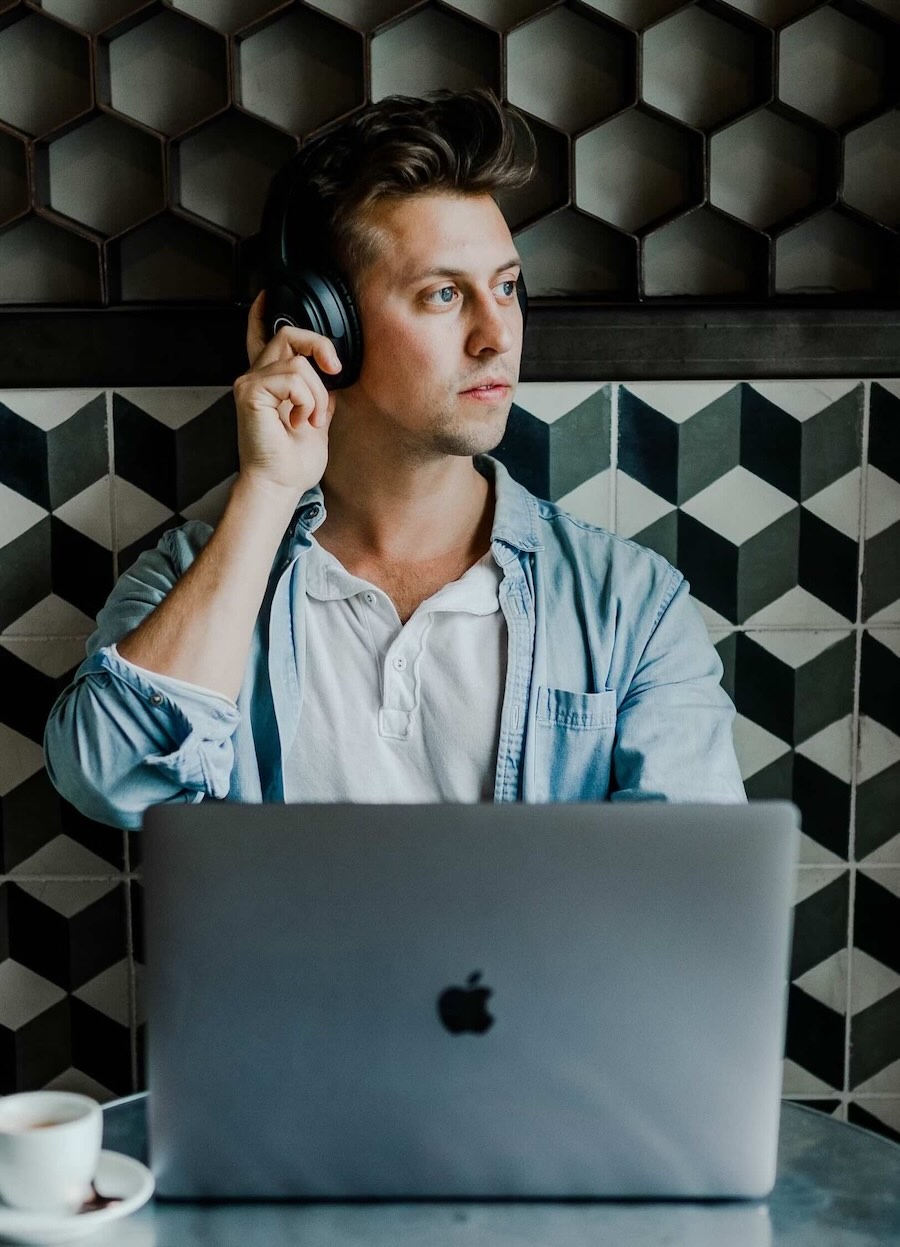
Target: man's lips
486 385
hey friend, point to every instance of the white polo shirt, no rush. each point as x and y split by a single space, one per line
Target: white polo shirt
398 712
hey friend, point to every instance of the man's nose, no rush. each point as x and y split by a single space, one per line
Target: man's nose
492 325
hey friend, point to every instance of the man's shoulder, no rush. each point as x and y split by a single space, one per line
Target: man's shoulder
564 531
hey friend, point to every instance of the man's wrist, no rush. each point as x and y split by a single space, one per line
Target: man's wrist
273 499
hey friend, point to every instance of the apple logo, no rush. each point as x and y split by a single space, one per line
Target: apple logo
464 1008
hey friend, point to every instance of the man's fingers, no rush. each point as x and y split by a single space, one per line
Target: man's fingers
256 328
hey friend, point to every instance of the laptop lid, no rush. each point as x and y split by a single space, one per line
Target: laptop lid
539 1001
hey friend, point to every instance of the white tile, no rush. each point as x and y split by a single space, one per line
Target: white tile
814 854
838 504
871 981
89 513
888 637
755 747
46 408
798 1081
109 993
679 400
136 513
803 399
636 506
592 500
76 1080
715 623
796 648
832 749
739 505
879 748
17 515
67 898
549 401
64 856
174 407
52 617
827 982
889 614
887 1079
811 879
24 995
20 758
209 508
796 609
887 877
51 657
887 1110
888 854
882 502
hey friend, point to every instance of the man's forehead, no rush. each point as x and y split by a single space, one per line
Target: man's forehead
433 234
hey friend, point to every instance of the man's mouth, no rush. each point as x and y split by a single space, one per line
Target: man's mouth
490 389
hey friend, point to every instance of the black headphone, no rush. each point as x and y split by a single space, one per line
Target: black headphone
305 289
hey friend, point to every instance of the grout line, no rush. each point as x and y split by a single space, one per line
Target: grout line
132 979
614 455
113 509
854 729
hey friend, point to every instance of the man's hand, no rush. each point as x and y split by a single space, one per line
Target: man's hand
283 408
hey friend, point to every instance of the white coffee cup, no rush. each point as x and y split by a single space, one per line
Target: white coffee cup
49 1149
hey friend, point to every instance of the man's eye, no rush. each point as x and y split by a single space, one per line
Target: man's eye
511 288
443 290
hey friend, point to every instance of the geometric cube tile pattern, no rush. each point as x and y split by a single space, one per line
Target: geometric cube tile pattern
779 501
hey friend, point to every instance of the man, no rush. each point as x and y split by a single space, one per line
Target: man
382 613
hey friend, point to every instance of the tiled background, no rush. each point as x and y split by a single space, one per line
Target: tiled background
781 503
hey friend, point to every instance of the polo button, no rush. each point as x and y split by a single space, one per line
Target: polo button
156 699
370 598
399 663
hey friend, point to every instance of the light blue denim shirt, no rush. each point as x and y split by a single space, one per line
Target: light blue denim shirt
612 683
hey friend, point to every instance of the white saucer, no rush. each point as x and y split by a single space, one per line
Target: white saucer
118 1177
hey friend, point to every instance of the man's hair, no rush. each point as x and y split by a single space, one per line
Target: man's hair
457 142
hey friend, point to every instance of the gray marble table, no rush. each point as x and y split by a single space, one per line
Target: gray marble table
838 1186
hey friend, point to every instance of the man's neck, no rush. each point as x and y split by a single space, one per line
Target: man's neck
407 514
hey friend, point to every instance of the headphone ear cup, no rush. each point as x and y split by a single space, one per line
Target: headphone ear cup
522 295
324 304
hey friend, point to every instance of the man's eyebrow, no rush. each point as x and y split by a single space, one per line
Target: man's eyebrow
442 271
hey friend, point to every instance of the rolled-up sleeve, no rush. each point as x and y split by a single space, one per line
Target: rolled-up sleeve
674 735
120 738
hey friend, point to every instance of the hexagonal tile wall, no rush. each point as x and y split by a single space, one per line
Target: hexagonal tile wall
570 67
637 168
277 52
735 126
33 51
872 168
163 70
706 64
222 169
45 263
833 66
769 168
433 48
104 173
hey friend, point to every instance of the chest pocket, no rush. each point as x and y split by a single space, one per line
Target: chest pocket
574 743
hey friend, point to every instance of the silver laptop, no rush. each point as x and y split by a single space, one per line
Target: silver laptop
466 1001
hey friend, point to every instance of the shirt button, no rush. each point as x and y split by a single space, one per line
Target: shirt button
399 663
156 699
370 598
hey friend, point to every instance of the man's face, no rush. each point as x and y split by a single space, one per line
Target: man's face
440 316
